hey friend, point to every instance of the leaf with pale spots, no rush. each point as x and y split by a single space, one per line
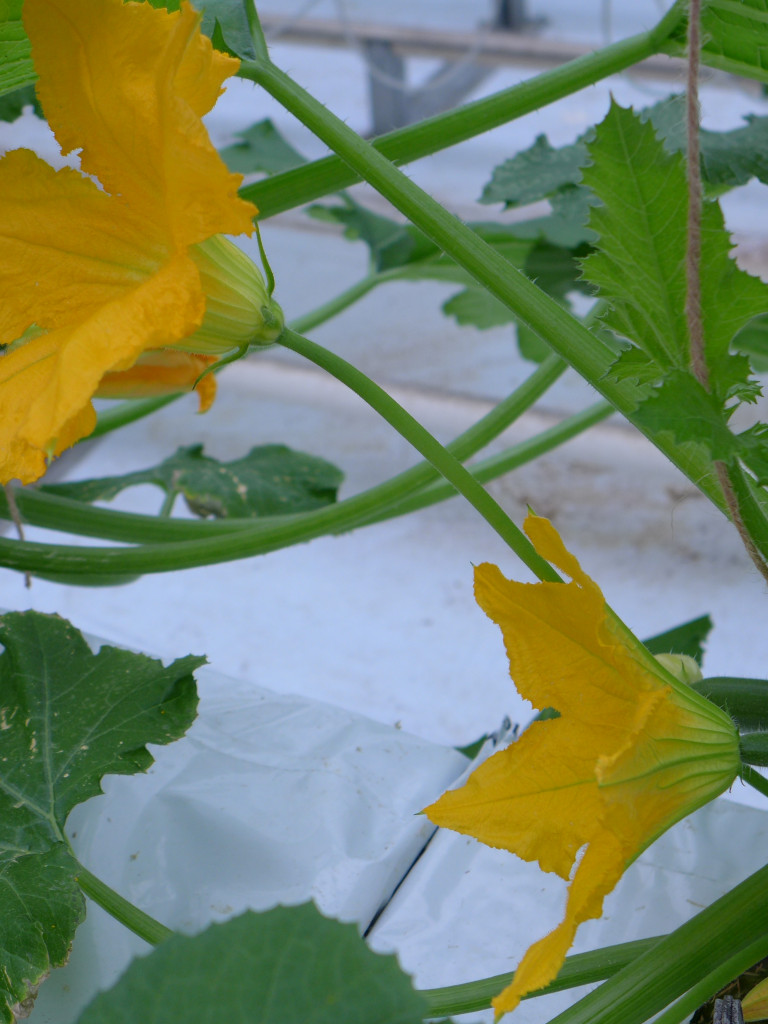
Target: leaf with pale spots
270 480
67 718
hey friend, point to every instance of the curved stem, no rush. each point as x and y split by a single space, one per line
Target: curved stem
117 906
303 184
578 969
504 462
417 435
242 537
566 335
44 507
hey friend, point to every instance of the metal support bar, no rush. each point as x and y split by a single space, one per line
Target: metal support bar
510 15
386 86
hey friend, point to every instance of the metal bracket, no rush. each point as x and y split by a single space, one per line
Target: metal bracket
727 1011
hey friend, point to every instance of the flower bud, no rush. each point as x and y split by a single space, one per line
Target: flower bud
682 666
238 308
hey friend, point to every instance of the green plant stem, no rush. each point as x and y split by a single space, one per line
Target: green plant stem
579 969
754 779
417 435
117 906
294 188
453 471
49 510
504 462
168 502
256 31
705 989
566 335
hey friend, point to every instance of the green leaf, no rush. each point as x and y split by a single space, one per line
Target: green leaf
728 159
681 406
552 267
270 480
261 148
732 158
16 68
733 34
390 243
68 717
40 908
542 171
226 23
12 103
285 966
536 172
688 638
640 263
752 340
477 308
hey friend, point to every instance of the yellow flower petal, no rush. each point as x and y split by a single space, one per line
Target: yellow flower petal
164 372
128 83
46 384
104 270
632 751
67 248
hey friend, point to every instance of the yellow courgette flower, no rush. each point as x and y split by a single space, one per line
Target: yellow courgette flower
99 267
632 751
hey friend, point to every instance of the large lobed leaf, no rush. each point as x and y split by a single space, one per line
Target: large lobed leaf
67 718
261 148
639 265
639 268
285 966
733 33
728 158
269 480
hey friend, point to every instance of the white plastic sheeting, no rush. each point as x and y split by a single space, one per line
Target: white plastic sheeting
268 799
276 799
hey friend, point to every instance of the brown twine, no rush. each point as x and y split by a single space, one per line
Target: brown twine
693 268
693 251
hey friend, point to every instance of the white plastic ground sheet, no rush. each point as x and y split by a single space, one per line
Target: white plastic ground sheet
277 799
